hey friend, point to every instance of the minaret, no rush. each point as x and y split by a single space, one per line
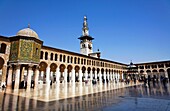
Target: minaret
85 28
86 46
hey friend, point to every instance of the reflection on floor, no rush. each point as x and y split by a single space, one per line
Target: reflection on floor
134 98
61 91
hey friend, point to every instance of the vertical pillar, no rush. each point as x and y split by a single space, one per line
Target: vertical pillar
86 75
57 75
80 75
122 76
110 76
22 73
4 72
91 75
65 75
51 76
100 76
95 74
42 76
118 77
36 78
166 74
29 77
104 75
73 75
9 80
48 75
17 77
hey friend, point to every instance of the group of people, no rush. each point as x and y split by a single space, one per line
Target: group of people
155 80
128 80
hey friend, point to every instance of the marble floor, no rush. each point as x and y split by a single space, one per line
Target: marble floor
59 91
107 97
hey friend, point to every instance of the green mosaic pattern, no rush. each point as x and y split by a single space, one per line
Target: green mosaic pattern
14 51
25 50
36 52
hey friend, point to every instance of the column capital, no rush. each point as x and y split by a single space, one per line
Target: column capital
30 66
18 66
10 66
37 67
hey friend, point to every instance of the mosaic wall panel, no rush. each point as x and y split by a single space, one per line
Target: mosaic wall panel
25 53
36 52
14 51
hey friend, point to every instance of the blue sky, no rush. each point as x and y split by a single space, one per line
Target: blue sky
124 30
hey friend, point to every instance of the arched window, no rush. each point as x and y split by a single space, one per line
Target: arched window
71 59
75 59
84 61
68 59
56 57
3 48
60 57
51 58
64 58
41 56
36 53
83 46
78 60
46 55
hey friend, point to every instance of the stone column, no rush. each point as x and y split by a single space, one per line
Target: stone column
51 76
122 76
36 78
73 75
65 75
80 75
4 72
118 77
42 76
166 74
104 74
57 75
22 73
95 74
29 77
86 75
48 75
110 76
100 76
17 77
91 75
9 80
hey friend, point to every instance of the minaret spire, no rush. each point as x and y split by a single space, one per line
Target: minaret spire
85 27
28 25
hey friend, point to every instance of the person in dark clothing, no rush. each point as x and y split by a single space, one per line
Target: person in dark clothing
134 80
164 82
154 81
149 80
145 81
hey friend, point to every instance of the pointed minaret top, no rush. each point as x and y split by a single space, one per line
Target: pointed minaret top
28 25
85 27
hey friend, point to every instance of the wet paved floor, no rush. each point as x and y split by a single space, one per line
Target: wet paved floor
134 98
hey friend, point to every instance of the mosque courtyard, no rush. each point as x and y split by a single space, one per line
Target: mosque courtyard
88 97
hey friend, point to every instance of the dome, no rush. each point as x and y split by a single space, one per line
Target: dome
27 32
